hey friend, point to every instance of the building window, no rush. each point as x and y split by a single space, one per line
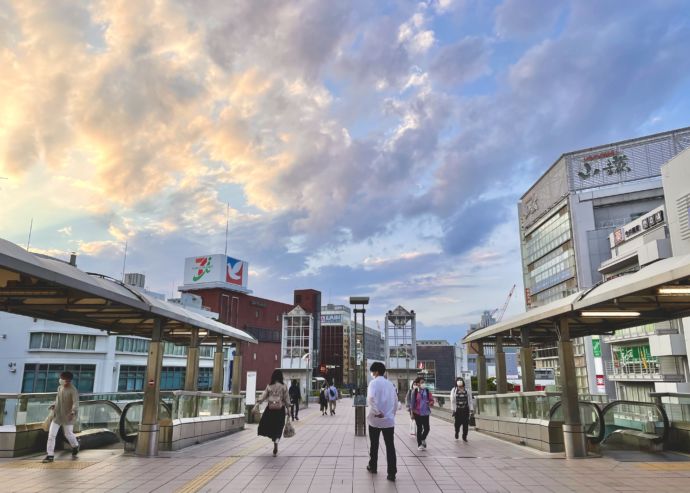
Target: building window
69 342
207 352
131 378
131 345
296 336
44 378
171 349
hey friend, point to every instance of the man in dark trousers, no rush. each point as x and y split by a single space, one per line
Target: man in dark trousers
295 398
383 402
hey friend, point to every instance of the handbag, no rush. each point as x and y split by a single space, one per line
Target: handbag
289 430
256 412
45 426
413 427
473 422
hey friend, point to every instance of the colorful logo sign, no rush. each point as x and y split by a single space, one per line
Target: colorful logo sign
235 272
203 266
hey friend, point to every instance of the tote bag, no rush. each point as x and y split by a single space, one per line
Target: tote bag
289 430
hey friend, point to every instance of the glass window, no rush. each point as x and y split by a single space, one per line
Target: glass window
70 342
131 378
131 345
44 378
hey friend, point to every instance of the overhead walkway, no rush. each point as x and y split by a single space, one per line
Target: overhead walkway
43 287
325 456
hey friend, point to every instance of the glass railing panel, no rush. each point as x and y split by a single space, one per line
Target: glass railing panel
185 406
486 406
233 404
509 406
98 415
33 408
209 405
677 408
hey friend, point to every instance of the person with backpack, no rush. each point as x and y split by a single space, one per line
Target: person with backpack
420 404
462 404
332 398
295 398
323 399
273 418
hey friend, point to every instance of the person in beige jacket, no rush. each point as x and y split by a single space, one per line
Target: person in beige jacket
65 411
272 420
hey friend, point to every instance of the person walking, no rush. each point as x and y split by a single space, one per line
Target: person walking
323 399
295 398
382 400
273 419
332 398
462 405
413 425
420 404
65 411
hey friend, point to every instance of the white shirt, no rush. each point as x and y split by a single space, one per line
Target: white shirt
382 399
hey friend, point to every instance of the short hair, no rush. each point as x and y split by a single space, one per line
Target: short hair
418 379
378 367
276 376
66 375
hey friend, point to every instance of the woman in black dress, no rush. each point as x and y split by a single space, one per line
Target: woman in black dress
323 399
273 418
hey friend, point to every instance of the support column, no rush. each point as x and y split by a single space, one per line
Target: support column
218 366
481 369
501 378
527 363
191 379
237 369
573 431
147 440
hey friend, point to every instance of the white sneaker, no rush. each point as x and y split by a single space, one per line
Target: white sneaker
420 447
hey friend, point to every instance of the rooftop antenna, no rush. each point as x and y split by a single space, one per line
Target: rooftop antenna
227 226
31 227
124 261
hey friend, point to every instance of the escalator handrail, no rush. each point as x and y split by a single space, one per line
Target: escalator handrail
600 416
658 407
130 438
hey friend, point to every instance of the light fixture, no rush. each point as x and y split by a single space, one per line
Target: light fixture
674 290
602 314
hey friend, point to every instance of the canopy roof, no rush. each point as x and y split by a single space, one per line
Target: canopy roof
637 292
38 286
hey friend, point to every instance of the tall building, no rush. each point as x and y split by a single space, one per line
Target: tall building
221 282
337 345
567 216
401 346
436 363
652 357
296 346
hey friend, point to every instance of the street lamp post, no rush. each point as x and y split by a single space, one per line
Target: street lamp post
360 400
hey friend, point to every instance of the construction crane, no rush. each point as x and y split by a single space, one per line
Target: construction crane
505 305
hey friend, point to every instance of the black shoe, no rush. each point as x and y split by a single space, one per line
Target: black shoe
48 459
456 435
372 471
296 419
390 478
75 451
275 449
464 439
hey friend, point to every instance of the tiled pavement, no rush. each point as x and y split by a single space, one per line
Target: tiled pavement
325 456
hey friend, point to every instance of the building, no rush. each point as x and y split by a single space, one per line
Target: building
566 218
400 347
653 357
436 364
296 347
36 351
221 282
337 345
374 345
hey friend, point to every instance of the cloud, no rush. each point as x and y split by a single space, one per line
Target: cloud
526 18
463 61
472 225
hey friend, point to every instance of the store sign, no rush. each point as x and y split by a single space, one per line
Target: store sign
595 164
528 297
596 347
216 269
335 318
618 236
601 383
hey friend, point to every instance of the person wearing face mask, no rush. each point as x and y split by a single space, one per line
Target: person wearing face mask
413 425
420 404
462 404
382 400
65 411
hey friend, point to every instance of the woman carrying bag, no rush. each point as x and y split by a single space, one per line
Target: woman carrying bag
273 418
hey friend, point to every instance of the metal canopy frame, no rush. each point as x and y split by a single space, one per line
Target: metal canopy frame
638 292
43 287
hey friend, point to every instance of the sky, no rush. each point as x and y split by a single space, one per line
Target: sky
373 148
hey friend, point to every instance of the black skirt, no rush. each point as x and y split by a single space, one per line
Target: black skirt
272 423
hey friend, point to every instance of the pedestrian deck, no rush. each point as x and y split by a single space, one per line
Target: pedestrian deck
325 456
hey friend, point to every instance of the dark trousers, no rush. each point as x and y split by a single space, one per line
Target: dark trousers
388 439
462 418
422 427
294 409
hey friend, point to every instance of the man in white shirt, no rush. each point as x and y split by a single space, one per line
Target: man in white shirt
383 402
